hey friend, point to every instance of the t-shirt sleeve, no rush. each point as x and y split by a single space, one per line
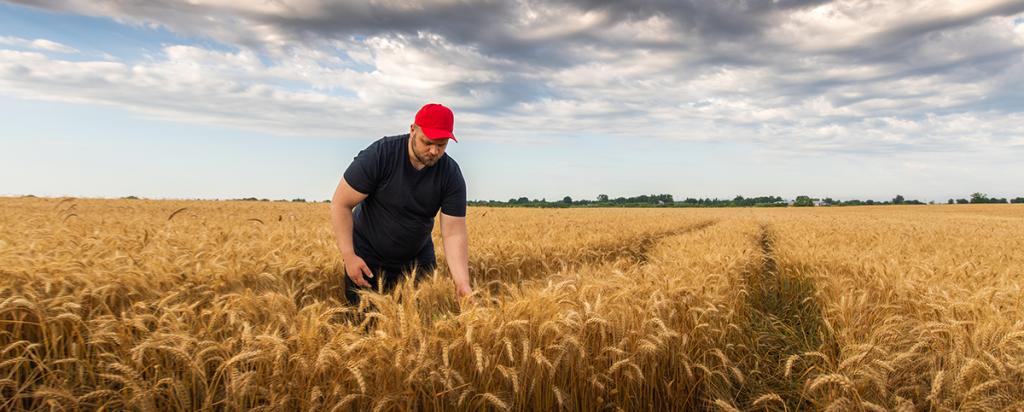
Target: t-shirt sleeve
364 171
454 202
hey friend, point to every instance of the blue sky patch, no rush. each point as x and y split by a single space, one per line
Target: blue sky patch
94 37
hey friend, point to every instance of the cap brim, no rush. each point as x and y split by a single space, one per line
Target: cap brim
435 134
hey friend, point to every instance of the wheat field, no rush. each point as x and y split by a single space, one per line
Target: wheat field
202 305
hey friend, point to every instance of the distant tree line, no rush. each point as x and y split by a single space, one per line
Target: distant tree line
296 200
601 201
803 201
982 198
666 200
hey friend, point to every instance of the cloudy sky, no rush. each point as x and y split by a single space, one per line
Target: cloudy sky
225 99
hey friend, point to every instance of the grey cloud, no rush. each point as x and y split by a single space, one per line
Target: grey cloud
780 92
711 19
915 28
484 24
488 24
903 42
503 94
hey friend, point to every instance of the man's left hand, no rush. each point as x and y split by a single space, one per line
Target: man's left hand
462 291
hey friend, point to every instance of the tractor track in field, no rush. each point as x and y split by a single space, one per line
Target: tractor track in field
635 249
786 319
645 245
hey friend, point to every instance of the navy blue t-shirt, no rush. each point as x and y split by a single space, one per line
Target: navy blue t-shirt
392 226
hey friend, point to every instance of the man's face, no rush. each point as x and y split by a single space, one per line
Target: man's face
426 150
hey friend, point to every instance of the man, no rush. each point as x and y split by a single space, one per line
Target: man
384 207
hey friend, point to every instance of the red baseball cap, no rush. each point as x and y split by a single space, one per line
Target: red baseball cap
436 121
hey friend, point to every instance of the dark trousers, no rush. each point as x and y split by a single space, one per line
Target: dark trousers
391 276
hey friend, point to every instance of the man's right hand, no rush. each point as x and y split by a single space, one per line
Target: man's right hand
355 268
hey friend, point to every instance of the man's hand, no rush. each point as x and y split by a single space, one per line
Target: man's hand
344 200
462 291
456 252
355 268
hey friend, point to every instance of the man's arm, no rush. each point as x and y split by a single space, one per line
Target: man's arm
456 251
345 199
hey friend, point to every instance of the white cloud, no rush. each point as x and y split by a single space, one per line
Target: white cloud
191 85
846 76
37 44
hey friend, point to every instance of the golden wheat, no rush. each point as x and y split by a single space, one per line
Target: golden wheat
183 305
